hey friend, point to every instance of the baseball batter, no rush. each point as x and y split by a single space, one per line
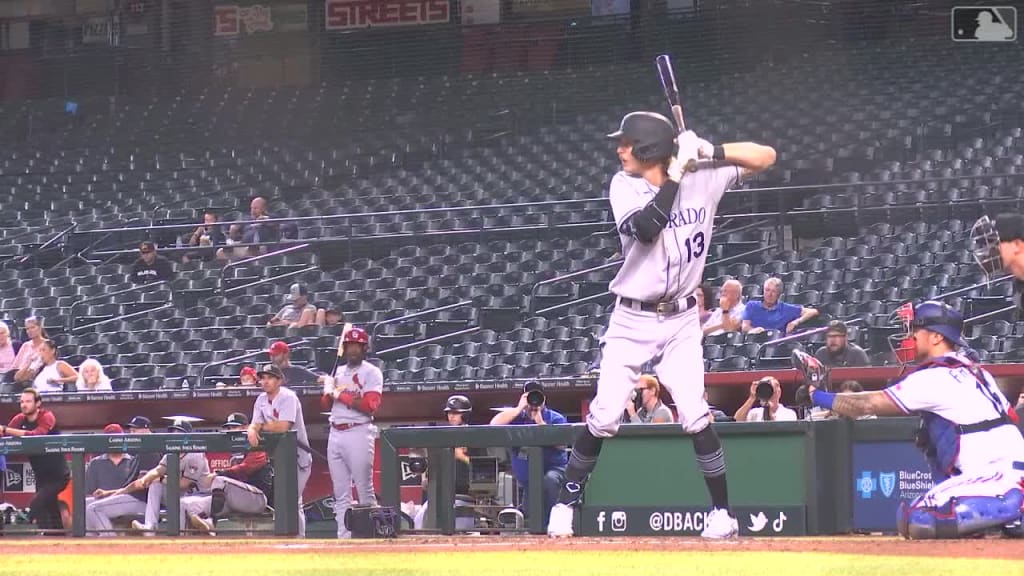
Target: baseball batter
278 410
665 223
353 395
245 487
968 430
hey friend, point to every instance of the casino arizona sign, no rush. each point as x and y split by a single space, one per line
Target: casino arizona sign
348 14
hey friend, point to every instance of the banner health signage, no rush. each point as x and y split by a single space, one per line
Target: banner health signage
689 520
348 14
885 474
247 19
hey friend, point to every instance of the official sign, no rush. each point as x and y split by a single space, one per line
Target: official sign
689 521
349 14
885 474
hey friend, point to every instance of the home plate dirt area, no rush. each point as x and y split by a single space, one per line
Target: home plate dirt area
990 548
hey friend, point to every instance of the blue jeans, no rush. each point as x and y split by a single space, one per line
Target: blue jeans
553 480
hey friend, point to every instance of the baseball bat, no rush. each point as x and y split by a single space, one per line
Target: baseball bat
668 84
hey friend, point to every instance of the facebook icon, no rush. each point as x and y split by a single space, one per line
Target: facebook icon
866 485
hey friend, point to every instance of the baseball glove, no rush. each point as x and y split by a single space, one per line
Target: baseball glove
815 374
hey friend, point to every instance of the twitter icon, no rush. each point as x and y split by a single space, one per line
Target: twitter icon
757 523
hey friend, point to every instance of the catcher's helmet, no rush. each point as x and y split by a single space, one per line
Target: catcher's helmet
357 335
933 316
652 135
458 403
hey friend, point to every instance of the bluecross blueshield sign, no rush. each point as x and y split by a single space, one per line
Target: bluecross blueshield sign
885 474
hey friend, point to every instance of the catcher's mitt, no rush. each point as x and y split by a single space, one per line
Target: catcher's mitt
815 374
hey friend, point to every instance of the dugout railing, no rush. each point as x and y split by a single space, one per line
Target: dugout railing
281 448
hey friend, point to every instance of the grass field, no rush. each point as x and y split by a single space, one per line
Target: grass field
522 557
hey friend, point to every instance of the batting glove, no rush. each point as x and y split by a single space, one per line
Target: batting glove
705 149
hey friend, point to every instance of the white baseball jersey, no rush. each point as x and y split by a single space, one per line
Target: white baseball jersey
285 407
359 379
671 267
956 395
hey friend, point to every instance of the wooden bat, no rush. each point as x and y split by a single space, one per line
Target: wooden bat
668 84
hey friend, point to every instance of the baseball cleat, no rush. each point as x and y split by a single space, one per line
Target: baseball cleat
719 524
560 521
140 527
202 524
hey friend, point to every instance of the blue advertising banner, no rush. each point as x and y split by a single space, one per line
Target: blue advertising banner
885 474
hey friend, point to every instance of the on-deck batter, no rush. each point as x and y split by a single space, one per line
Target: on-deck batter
665 222
352 395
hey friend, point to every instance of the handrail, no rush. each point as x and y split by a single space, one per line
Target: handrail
123 317
428 341
331 217
597 296
258 257
991 314
966 289
268 280
71 311
82 251
302 344
24 258
584 272
373 332
799 335
33 231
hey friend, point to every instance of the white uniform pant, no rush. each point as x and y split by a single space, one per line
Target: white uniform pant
303 474
994 482
350 459
634 338
154 499
101 512
239 497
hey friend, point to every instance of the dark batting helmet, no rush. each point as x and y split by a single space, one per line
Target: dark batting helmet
652 135
236 420
458 403
357 335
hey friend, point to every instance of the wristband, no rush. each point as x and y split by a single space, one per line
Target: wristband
719 153
823 399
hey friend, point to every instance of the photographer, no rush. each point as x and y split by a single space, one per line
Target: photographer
532 410
646 406
765 392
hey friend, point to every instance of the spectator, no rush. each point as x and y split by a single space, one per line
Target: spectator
647 407
259 233
247 377
848 386
280 357
29 351
231 252
50 470
8 349
48 374
772 314
838 351
207 235
329 317
728 316
776 411
532 410
703 297
150 267
92 378
298 312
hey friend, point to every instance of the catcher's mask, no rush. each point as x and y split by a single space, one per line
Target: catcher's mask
985 246
933 316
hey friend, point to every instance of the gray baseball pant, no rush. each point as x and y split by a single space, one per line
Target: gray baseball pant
350 459
239 497
304 474
154 500
100 513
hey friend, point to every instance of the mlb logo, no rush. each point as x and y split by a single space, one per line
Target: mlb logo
983 24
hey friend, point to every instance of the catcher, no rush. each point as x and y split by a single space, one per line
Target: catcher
968 430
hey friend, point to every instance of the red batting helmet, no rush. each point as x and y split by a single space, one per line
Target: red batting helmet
357 335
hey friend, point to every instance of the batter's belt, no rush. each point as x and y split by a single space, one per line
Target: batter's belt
662 308
346 425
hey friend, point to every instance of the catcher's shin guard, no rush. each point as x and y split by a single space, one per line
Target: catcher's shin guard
960 517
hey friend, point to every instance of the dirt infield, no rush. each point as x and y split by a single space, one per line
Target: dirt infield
992 548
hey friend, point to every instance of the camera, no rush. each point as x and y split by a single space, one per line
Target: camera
637 398
417 464
764 390
535 398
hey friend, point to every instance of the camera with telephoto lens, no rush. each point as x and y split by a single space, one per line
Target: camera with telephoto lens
417 464
638 399
764 390
534 394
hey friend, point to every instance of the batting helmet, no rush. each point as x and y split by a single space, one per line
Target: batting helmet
236 420
652 135
357 335
180 425
458 403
